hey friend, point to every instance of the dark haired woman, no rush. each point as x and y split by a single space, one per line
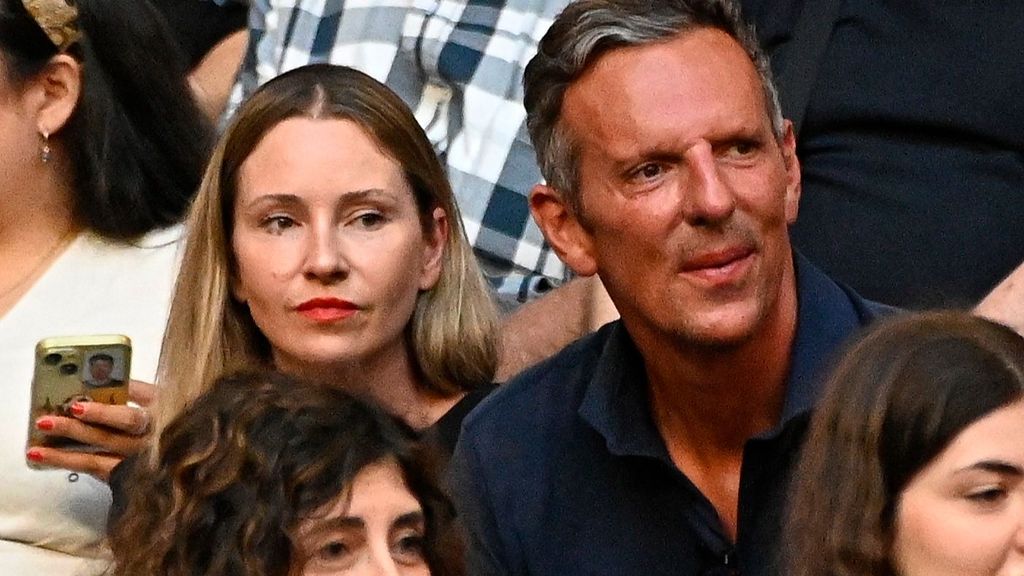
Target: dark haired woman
101 148
915 461
263 475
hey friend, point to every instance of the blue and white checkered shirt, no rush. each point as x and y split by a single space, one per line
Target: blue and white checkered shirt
458 64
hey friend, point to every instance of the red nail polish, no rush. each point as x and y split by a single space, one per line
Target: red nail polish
77 409
34 455
44 424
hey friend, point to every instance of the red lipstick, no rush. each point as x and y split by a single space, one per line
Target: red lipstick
327 309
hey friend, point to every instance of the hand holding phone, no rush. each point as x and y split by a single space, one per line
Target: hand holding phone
80 417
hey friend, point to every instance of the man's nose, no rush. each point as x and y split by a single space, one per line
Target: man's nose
708 197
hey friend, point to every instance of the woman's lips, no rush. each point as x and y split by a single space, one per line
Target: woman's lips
327 309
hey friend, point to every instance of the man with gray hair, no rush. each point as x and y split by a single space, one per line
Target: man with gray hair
663 443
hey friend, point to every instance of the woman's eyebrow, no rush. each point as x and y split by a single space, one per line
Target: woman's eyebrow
283 199
996 466
365 194
410 520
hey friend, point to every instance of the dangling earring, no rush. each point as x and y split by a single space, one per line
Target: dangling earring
44 152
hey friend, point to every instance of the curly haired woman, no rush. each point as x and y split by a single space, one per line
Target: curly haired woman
264 475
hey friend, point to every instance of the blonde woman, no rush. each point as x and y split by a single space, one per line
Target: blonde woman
325 242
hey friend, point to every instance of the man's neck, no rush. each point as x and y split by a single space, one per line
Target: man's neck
707 402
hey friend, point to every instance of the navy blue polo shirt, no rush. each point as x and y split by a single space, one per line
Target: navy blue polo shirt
563 472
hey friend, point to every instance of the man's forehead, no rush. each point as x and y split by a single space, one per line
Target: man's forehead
693 51
698 76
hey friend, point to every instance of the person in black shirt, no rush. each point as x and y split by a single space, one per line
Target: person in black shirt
663 443
911 144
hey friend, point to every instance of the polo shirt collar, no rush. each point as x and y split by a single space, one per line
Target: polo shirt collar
616 400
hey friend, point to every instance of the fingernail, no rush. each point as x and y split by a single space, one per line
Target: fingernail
44 424
34 455
77 409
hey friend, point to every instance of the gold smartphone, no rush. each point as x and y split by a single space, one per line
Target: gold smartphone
70 369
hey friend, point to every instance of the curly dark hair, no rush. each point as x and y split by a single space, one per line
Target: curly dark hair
248 461
897 399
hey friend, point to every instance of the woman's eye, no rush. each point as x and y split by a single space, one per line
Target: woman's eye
277 224
987 496
408 550
332 551
370 220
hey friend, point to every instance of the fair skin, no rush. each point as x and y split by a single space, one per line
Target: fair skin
376 528
542 327
1005 303
331 255
687 196
33 224
963 514
100 370
44 104
214 76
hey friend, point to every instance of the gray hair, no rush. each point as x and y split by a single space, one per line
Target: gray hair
587 29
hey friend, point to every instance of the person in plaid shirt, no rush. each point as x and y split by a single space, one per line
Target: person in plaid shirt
458 64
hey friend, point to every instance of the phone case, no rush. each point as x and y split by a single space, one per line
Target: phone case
71 369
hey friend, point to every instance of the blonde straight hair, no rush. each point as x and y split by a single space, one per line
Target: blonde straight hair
453 329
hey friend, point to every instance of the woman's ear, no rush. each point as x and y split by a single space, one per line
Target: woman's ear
56 89
433 252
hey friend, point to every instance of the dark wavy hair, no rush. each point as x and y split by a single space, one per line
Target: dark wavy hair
137 142
897 399
247 461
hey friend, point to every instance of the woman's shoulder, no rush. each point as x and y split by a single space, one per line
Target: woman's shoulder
160 249
169 238
172 236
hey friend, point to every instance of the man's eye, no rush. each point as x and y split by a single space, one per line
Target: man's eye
742 149
648 172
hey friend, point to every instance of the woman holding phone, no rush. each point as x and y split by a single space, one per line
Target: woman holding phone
914 465
101 148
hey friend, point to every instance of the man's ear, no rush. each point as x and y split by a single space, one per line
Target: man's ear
793 186
56 90
436 240
563 230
